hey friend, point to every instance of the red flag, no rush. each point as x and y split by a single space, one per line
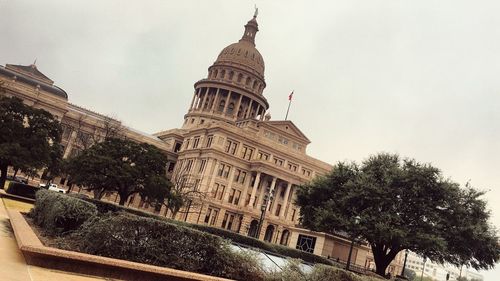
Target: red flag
290 96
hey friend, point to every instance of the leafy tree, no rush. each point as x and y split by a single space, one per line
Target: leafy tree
397 204
29 137
119 165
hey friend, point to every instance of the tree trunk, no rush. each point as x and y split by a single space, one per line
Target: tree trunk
15 172
3 176
98 193
123 199
383 258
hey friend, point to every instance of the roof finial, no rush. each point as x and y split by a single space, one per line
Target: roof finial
256 11
34 63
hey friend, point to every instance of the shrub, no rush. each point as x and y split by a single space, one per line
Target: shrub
21 189
329 273
156 242
104 207
57 213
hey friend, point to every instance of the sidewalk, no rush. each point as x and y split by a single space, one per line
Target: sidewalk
12 264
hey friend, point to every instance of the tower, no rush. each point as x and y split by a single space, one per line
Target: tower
233 88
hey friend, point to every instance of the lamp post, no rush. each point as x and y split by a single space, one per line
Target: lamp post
356 222
267 197
423 268
404 263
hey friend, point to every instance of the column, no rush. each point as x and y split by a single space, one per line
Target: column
227 102
237 108
206 174
275 199
243 196
192 101
205 98
71 141
214 103
285 203
254 189
249 109
257 111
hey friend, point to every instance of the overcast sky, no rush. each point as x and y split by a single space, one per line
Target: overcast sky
419 78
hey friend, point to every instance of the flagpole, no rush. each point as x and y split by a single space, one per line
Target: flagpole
289 103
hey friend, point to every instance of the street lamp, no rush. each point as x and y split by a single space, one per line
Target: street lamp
356 222
422 276
267 197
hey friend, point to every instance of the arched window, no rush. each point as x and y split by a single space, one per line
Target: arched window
221 105
215 74
240 111
230 108
247 82
252 231
231 75
240 77
222 74
284 237
268 237
254 84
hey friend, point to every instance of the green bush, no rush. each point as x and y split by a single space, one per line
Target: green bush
57 213
104 207
21 189
156 242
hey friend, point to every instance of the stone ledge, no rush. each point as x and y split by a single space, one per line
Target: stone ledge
37 254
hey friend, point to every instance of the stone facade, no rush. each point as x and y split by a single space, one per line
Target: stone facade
244 166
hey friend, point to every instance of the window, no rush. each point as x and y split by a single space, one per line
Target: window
293 214
171 167
177 146
187 144
292 167
202 166
231 195
230 146
211 215
278 161
240 77
196 142
189 165
263 156
231 75
210 138
306 243
306 172
278 209
240 176
230 108
224 170
247 152
237 195
222 104
247 82
247 200
282 140
218 191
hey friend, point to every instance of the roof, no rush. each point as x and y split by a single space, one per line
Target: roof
31 71
32 76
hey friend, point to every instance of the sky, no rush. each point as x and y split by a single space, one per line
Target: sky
418 78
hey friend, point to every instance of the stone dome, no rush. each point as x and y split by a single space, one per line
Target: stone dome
243 53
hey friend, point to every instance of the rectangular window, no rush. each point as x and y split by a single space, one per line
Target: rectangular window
207 215
278 161
231 146
230 222
246 153
189 165
202 166
237 195
224 220
211 215
278 209
247 200
224 170
263 156
187 144
231 195
293 214
210 138
220 192
196 142
292 167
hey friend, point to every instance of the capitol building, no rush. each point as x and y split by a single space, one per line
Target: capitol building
244 165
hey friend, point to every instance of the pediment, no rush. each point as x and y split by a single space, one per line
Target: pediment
288 128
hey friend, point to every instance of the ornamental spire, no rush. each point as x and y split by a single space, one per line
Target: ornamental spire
251 29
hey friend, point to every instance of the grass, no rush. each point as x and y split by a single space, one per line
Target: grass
17 205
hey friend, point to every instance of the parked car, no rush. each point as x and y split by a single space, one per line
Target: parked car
52 187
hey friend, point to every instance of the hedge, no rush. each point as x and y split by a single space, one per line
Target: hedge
104 207
21 189
57 213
